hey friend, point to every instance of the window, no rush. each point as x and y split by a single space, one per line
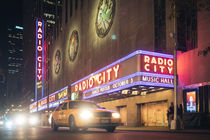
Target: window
64 106
186 25
80 104
71 10
160 25
76 4
58 108
66 19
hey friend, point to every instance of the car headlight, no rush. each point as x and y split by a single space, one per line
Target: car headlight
20 120
8 124
50 118
33 120
85 114
115 115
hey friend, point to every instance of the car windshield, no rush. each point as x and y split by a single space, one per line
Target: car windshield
81 104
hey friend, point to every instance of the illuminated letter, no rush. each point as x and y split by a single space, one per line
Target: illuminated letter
39 48
108 72
39 65
116 70
154 60
170 69
76 87
160 61
155 68
80 87
146 67
162 68
91 82
83 85
98 78
39 36
39 42
146 59
39 30
104 77
39 23
39 71
170 62
39 77
39 59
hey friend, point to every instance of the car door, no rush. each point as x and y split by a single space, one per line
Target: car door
56 115
63 114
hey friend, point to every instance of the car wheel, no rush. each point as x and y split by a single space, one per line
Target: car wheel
53 125
72 124
110 129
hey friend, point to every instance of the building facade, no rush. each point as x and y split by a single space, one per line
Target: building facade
15 62
117 54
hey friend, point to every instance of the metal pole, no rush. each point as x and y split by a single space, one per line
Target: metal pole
175 70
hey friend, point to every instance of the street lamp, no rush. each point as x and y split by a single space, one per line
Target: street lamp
175 69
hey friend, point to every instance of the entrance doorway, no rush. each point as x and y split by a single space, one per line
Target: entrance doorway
154 114
123 114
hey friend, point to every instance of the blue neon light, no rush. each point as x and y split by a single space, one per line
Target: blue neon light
127 86
156 54
134 75
156 84
42 58
33 103
56 103
36 62
42 108
143 83
118 80
113 90
156 75
33 110
123 59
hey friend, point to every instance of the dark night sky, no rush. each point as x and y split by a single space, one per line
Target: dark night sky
11 14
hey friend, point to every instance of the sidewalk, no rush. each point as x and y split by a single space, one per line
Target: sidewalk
163 129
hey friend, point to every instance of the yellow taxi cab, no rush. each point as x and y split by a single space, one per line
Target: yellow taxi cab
82 114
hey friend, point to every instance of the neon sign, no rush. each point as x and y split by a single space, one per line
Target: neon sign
98 79
156 64
58 96
62 94
39 58
33 107
138 68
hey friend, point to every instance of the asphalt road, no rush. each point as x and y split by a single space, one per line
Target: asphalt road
93 134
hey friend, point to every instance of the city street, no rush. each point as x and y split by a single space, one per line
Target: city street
94 134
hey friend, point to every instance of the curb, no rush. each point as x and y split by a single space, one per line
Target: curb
168 131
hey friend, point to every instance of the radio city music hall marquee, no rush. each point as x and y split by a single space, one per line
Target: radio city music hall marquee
142 68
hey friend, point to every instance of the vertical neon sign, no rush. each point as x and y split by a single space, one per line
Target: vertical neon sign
39 59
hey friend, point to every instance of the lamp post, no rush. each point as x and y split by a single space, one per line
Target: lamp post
175 69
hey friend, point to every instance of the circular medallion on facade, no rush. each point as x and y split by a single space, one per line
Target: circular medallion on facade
57 60
73 45
105 16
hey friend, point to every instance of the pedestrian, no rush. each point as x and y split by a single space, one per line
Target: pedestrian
180 116
170 114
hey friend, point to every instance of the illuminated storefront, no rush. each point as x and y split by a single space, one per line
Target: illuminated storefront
51 101
133 76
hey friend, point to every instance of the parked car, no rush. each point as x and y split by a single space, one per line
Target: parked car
83 115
